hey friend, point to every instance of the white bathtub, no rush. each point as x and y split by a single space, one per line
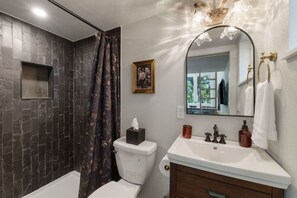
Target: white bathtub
66 186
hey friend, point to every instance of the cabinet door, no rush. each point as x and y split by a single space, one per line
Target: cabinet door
192 186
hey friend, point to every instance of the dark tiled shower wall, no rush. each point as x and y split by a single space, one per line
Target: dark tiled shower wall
83 58
36 136
82 64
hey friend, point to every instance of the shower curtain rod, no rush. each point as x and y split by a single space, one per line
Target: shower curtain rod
75 15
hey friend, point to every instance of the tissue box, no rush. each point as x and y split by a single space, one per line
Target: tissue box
135 136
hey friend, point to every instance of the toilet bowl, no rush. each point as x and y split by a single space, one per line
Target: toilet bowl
135 164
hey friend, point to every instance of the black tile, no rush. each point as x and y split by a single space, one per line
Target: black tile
34 126
17 171
8 185
7 163
61 123
16 143
17 188
7 58
7 143
26 158
7 122
26 140
27 179
35 171
34 109
16 89
40 140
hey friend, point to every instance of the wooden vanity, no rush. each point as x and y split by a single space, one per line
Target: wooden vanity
200 169
186 182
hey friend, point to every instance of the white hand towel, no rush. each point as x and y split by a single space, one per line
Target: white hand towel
249 101
264 127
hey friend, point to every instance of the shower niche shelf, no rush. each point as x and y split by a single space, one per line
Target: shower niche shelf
37 81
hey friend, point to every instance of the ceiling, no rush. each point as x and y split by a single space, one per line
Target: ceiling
211 63
105 14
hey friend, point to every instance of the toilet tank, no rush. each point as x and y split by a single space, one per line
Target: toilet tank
135 162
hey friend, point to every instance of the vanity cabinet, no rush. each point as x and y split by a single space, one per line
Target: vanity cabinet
186 182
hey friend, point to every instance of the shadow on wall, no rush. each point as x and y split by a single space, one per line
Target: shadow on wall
256 20
291 191
182 13
273 6
178 37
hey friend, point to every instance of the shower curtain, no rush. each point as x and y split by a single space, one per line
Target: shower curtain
103 121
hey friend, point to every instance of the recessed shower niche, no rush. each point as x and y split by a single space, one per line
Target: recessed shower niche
37 81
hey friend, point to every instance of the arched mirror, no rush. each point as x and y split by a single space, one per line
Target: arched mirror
220 73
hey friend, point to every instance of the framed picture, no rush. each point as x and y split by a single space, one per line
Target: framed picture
143 77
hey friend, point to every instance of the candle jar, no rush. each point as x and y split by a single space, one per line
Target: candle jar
187 131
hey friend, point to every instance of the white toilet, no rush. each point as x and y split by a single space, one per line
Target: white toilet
135 164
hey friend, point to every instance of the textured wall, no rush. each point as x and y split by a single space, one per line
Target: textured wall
82 64
83 59
40 140
35 135
166 38
284 80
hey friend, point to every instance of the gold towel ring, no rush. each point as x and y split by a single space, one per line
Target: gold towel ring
268 69
250 69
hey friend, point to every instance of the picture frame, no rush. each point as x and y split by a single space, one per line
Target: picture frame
143 76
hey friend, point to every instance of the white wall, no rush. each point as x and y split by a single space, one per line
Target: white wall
165 39
292 25
284 79
244 58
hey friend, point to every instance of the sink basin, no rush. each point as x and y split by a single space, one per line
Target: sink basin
228 153
250 164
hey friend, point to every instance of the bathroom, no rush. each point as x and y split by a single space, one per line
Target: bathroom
150 29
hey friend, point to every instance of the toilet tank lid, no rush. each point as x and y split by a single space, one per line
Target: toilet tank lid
144 148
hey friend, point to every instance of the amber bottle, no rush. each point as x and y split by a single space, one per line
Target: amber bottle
245 136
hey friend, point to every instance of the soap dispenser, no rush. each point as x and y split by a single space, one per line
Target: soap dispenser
245 136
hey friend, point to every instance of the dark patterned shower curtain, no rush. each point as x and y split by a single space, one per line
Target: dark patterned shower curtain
103 121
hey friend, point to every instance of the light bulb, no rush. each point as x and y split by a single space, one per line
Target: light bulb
204 37
230 32
39 12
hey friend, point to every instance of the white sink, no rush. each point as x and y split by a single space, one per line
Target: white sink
228 153
251 164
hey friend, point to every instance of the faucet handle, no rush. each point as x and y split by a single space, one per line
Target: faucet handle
215 130
222 140
207 139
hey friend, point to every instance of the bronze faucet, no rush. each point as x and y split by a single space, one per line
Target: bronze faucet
222 140
207 139
215 136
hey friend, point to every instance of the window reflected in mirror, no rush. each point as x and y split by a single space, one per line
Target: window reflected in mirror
217 73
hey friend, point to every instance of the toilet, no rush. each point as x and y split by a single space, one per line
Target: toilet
135 164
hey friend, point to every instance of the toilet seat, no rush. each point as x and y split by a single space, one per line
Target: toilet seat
114 190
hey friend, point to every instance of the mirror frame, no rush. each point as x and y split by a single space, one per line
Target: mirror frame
254 72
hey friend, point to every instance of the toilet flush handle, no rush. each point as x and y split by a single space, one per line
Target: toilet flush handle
167 168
